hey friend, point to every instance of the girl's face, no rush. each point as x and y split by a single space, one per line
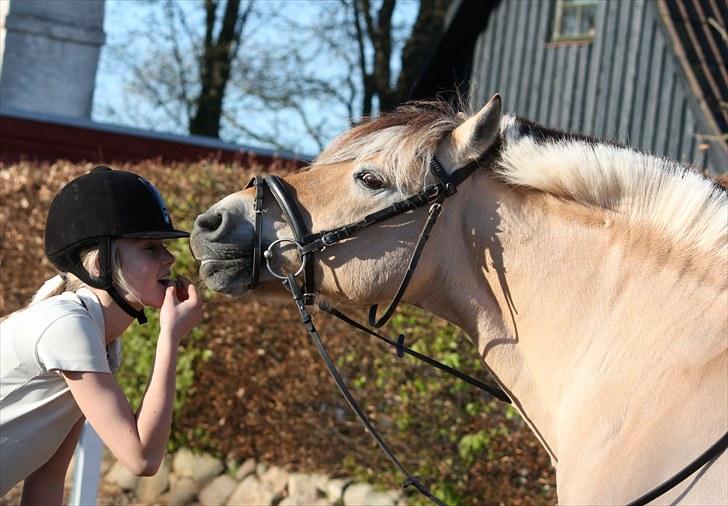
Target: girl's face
146 264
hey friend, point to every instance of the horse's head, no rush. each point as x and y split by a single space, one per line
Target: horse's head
368 168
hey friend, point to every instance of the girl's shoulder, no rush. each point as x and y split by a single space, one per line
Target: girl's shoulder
46 311
60 332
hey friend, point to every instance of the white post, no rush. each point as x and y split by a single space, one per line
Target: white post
87 469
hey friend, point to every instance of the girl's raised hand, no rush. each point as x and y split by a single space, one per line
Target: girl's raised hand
181 310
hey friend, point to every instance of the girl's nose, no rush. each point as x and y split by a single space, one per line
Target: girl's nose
168 257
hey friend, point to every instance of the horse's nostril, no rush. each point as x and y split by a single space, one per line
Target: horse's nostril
209 221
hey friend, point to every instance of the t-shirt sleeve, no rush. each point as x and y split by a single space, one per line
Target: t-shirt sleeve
73 342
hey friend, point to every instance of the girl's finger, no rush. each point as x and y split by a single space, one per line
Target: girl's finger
193 294
171 294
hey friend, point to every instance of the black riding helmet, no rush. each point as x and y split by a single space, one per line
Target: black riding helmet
95 208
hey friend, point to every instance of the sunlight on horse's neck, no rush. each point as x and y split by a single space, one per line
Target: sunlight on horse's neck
578 290
675 201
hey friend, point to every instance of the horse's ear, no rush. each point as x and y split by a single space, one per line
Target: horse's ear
471 139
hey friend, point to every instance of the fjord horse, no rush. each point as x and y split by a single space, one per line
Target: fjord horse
594 279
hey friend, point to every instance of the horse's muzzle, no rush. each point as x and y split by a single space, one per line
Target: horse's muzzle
222 241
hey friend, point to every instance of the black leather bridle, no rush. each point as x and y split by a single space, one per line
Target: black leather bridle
432 194
308 244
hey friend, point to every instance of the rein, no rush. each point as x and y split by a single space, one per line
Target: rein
307 244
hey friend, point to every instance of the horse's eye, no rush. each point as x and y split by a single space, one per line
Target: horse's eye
370 180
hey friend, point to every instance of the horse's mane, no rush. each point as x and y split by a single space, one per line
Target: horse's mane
674 199
671 197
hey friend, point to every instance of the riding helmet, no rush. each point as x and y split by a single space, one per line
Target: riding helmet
93 209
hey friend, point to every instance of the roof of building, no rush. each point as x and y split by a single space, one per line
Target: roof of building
30 135
699 33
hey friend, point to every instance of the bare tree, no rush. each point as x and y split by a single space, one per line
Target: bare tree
374 34
219 50
288 75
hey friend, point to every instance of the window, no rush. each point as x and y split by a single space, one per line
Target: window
574 20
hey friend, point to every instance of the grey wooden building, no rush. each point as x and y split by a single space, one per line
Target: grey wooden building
647 73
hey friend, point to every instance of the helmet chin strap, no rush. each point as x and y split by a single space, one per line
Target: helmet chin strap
105 281
128 308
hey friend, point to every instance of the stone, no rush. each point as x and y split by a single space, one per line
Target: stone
150 487
335 489
251 492
201 468
216 493
107 460
121 477
275 479
246 468
182 490
164 500
362 494
306 488
290 501
260 469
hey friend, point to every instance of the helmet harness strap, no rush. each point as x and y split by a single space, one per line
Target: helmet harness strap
105 280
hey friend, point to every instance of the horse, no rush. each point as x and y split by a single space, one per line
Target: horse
593 278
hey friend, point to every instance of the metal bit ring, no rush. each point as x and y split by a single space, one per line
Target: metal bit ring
268 254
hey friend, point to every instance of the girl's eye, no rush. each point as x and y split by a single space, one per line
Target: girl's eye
370 180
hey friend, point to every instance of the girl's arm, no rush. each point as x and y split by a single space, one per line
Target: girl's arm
139 440
45 485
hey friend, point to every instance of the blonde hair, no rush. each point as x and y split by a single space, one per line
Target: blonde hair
67 282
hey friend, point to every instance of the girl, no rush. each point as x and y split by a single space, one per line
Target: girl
104 234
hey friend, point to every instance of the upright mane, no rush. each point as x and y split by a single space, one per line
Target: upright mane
676 200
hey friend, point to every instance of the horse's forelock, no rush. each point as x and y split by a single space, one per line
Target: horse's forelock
404 140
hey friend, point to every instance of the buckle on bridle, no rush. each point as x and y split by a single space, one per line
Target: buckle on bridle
432 192
329 239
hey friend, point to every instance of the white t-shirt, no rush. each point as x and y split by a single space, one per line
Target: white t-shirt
37 410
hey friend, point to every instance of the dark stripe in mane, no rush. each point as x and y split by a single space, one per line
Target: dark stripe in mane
543 134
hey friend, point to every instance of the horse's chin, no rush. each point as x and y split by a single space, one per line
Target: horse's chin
226 276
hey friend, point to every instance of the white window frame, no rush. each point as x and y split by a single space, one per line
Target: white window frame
577 6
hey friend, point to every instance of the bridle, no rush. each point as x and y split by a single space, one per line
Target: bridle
307 244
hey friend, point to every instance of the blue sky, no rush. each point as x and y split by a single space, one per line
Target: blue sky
113 103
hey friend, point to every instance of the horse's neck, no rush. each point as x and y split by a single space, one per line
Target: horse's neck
569 307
